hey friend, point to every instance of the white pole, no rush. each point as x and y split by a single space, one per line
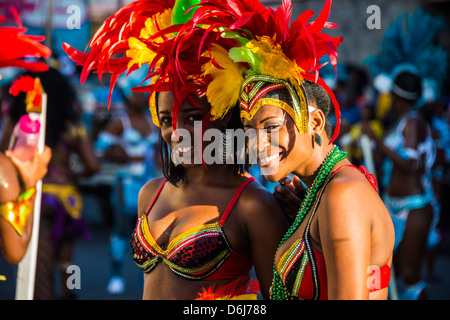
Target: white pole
27 267
367 154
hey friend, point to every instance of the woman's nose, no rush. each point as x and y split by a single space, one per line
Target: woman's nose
263 140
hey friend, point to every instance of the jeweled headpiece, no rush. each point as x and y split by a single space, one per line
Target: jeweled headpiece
264 52
212 51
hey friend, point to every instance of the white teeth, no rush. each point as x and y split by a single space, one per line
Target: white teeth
184 149
268 159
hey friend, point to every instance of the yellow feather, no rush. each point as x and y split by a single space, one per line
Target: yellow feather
223 91
273 61
163 20
138 52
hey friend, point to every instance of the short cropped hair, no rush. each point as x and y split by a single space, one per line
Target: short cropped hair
315 93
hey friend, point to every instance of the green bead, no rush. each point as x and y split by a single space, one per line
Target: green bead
335 155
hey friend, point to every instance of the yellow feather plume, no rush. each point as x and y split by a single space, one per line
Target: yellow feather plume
223 91
138 51
163 20
273 61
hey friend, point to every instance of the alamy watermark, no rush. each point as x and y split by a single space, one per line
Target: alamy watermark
374 280
234 146
374 20
74 280
74 20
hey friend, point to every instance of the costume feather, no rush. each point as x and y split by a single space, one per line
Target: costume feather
265 44
17 46
411 39
243 288
120 42
223 91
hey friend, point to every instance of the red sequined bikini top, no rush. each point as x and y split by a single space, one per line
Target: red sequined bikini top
202 252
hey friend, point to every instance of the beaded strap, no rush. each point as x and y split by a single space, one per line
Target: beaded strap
17 212
278 290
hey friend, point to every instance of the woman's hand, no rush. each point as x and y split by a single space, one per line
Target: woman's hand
33 170
289 193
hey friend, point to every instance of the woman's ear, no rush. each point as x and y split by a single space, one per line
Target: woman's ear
317 121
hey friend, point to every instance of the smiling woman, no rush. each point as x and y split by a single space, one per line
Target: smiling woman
342 231
200 228
312 240
201 225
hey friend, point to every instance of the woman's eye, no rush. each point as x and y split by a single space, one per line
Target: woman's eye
272 127
166 120
194 117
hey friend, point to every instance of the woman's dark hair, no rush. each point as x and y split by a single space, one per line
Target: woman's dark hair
60 104
315 93
175 174
407 85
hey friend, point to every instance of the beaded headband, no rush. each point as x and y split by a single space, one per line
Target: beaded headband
255 93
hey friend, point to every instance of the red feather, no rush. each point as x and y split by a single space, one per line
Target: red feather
240 286
17 46
22 84
110 42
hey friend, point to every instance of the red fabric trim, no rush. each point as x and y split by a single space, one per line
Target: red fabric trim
235 266
233 200
156 197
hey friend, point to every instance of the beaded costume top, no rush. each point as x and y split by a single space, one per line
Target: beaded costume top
194 254
302 268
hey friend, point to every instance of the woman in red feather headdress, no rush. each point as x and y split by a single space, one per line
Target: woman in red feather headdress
203 225
340 243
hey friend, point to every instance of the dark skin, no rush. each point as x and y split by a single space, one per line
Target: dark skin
406 181
350 237
253 228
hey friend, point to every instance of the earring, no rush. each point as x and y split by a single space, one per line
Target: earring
318 139
224 149
175 157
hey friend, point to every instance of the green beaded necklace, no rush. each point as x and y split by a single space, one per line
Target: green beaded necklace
278 289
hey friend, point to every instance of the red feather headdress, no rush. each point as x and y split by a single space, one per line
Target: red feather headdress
122 41
212 53
265 47
17 46
143 32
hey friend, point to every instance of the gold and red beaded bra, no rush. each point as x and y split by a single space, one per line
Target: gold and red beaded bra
194 254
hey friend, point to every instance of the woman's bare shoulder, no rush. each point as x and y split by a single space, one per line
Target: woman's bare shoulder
349 199
148 193
258 203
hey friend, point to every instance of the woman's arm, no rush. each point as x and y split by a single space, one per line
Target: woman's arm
345 237
14 245
266 224
414 133
85 150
